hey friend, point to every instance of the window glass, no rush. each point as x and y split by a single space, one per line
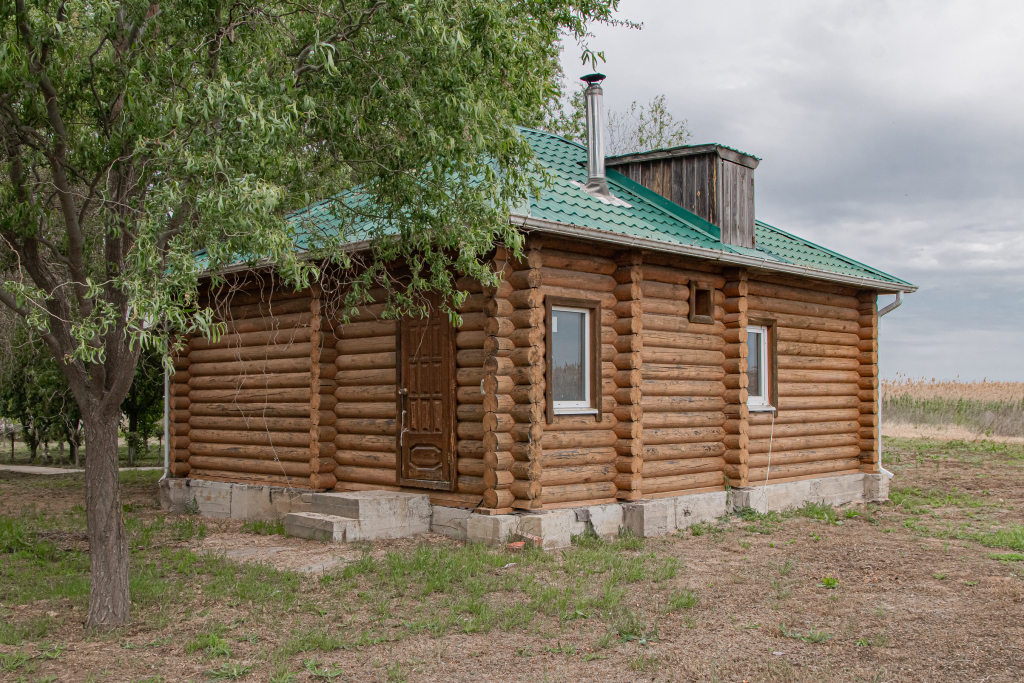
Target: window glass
755 362
569 356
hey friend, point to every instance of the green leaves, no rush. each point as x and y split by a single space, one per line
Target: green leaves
148 148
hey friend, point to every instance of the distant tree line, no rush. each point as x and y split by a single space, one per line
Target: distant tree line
36 403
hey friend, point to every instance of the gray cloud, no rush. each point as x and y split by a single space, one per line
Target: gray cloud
890 132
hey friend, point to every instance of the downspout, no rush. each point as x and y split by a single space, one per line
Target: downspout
888 309
167 423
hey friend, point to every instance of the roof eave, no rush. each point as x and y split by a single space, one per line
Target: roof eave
710 254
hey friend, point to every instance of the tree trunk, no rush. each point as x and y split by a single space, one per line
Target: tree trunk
108 542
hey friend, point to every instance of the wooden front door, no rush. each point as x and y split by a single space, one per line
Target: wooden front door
426 403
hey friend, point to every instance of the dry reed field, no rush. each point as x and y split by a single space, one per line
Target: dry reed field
920 388
985 408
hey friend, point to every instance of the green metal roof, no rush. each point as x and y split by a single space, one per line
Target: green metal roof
652 217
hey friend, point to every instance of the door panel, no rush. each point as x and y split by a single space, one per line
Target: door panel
426 403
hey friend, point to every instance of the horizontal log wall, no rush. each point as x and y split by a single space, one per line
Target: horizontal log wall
178 414
321 387
579 456
817 429
497 400
737 413
870 437
527 383
629 446
289 397
365 415
683 392
253 407
470 379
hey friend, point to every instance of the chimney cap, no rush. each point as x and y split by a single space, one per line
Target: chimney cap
593 78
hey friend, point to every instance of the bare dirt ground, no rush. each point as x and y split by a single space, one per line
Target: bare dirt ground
928 587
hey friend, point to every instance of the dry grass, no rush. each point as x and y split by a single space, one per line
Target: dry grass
983 408
928 587
922 389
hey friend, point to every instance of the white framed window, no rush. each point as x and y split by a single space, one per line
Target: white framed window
758 369
570 360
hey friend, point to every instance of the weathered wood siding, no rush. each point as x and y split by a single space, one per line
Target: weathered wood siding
817 430
736 204
683 394
716 189
690 181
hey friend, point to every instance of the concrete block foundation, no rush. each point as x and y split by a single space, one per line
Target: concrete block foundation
838 490
212 497
372 515
450 522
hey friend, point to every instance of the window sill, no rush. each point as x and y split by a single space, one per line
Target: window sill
761 409
575 411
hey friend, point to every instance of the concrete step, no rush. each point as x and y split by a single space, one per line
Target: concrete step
361 516
319 527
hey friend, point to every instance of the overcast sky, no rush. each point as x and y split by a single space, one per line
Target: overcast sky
892 132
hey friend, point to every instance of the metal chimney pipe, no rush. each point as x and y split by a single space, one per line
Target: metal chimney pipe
597 183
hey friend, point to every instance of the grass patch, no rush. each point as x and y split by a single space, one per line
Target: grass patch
707 528
643 662
34 629
914 499
880 639
760 522
188 528
264 528
812 636
211 644
13 661
1011 537
820 511
684 599
1008 557
229 672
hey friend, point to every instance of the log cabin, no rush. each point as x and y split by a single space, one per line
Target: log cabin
654 340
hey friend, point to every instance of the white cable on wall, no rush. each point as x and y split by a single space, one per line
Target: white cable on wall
768 470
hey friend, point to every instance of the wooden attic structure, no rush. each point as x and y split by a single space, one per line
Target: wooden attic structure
655 341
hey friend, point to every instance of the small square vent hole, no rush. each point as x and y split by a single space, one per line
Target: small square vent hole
702 304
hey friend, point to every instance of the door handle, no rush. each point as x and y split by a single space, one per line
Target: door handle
404 395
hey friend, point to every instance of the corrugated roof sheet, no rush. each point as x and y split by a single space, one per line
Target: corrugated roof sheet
651 216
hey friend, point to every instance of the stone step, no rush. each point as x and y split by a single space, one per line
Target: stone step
343 517
319 527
